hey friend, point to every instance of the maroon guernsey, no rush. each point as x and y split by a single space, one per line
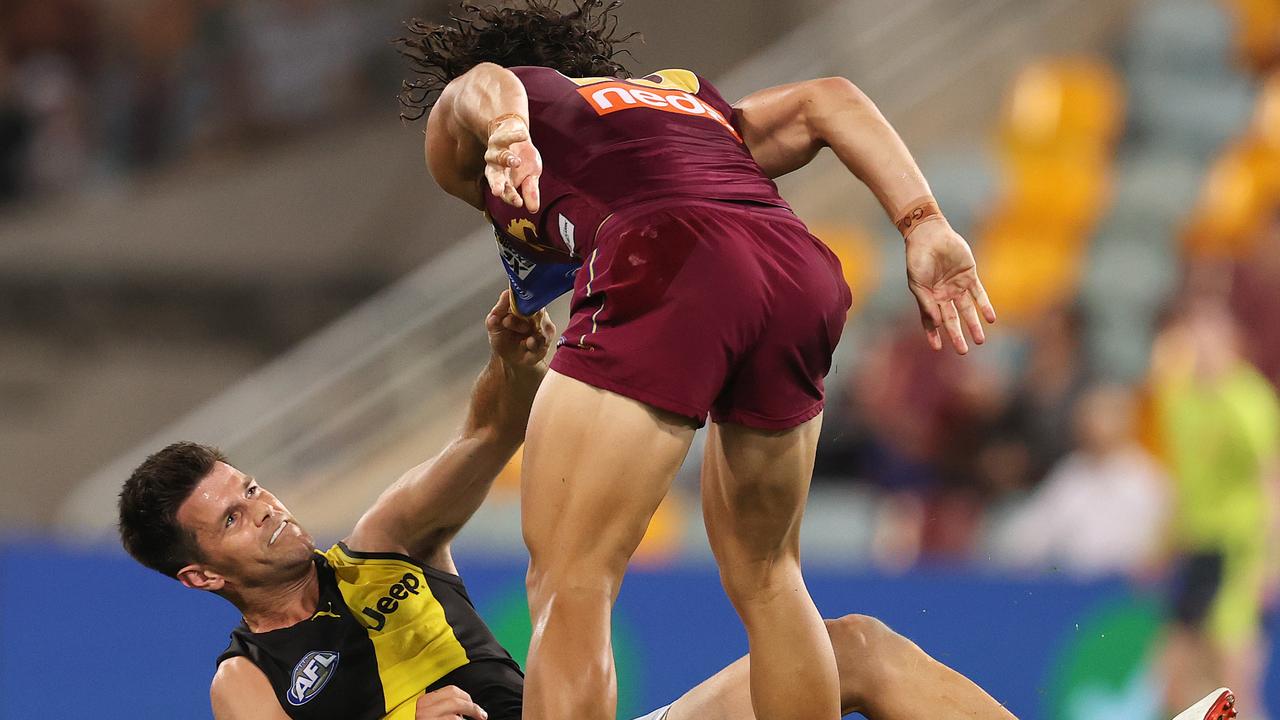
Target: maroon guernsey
696 289
608 143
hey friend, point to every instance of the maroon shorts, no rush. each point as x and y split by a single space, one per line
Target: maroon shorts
699 306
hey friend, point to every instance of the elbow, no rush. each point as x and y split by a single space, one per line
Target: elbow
839 92
834 106
486 69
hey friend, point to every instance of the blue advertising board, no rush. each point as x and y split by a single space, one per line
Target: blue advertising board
86 633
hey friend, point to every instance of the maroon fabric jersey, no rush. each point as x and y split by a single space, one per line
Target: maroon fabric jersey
666 135
608 143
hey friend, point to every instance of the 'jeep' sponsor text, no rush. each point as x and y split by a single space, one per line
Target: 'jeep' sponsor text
310 675
389 603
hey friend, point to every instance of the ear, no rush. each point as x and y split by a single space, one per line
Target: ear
199 577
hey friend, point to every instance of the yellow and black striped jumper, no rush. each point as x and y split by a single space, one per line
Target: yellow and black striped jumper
386 630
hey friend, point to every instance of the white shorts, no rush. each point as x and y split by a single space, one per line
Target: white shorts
659 714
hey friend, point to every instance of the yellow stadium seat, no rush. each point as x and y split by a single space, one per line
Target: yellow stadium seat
1266 117
1063 102
1029 267
1257 32
1240 191
1066 188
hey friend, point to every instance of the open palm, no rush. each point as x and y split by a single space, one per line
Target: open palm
943 277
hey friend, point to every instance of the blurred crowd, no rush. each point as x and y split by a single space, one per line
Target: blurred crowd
1053 456
1057 464
91 90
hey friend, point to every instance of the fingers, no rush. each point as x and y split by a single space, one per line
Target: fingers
503 306
984 303
501 162
517 324
500 185
934 337
969 314
446 704
529 193
493 321
951 321
930 318
501 157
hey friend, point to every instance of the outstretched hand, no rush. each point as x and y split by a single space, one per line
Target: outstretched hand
512 165
519 341
450 703
942 276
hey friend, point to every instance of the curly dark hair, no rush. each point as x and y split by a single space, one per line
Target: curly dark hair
149 503
578 43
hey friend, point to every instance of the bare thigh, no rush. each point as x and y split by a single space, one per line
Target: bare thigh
596 465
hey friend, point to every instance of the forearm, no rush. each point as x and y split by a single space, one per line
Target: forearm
485 93
500 402
847 121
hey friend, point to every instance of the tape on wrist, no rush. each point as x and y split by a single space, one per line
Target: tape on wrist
918 212
494 123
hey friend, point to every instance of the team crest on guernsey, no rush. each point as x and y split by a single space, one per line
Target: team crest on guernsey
310 675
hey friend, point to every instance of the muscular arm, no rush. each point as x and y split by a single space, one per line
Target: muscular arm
460 124
423 510
241 692
786 126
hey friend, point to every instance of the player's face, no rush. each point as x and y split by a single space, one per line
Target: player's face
246 534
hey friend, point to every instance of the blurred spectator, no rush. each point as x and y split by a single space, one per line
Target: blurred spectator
1220 428
15 131
904 424
1035 431
306 58
52 45
888 428
93 85
1102 508
1255 300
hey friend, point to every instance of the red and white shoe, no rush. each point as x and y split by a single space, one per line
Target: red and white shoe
1217 705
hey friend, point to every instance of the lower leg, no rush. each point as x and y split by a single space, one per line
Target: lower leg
883 675
754 486
1185 664
1242 666
789 642
570 653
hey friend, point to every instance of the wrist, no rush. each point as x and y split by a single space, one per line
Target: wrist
505 118
515 371
921 211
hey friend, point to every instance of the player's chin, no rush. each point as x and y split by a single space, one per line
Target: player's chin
294 542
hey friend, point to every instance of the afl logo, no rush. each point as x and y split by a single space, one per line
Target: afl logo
310 675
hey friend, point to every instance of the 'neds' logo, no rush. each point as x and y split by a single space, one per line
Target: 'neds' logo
389 603
610 97
310 675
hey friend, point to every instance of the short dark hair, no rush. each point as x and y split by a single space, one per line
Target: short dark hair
578 42
149 503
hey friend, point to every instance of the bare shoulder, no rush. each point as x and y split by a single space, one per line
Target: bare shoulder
240 691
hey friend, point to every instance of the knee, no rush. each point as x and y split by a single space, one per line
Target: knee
866 656
752 578
554 582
